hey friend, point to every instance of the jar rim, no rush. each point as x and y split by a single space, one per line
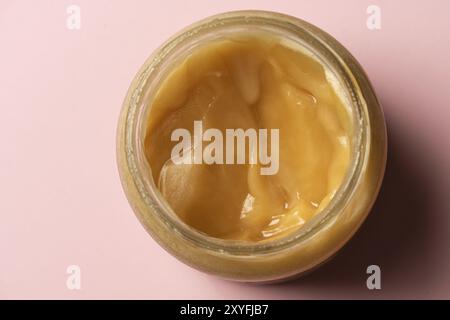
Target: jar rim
318 41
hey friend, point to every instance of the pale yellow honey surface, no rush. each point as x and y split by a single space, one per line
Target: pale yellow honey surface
250 81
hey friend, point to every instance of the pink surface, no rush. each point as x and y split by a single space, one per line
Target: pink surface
61 201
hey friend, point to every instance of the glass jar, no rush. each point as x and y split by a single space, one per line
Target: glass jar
321 236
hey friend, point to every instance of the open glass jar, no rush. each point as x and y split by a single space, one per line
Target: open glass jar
322 235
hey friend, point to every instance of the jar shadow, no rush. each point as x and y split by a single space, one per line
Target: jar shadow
398 233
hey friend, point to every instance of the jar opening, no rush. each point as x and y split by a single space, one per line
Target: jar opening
158 66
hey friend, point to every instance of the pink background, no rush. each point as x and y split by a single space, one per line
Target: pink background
61 202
